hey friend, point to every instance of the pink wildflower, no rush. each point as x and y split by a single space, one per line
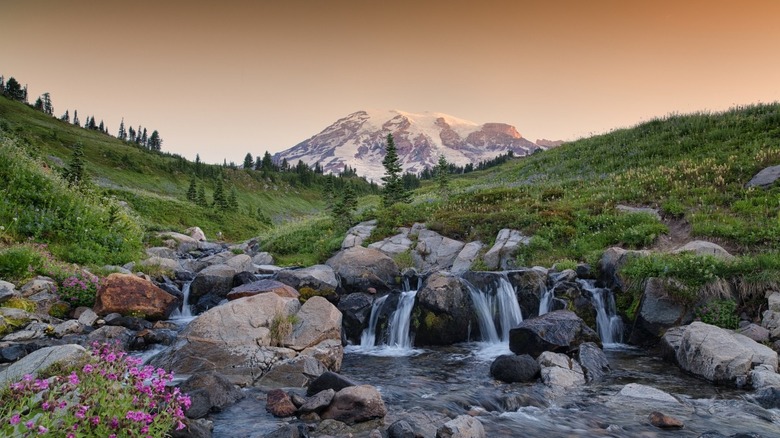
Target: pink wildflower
15 419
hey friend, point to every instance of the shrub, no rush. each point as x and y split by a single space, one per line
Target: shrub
404 260
109 396
79 289
19 263
281 327
722 313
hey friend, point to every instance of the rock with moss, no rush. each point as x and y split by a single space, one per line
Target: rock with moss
443 312
658 311
7 291
610 263
320 278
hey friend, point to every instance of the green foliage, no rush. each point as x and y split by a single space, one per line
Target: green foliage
306 242
404 260
19 303
344 208
722 313
394 191
75 174
690 272
307 292
19 263
443 176
79 289
562 265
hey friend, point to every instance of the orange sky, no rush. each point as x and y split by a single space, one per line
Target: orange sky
225 78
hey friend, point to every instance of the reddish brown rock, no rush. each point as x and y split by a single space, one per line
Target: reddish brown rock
261 287
664 421
279 404
131 295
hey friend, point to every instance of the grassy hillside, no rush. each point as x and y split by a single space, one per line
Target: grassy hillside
155 184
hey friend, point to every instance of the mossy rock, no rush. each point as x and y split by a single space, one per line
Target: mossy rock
307 292
60 310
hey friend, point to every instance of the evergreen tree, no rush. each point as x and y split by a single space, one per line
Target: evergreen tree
442 175
220 201
75 174
285 166
102 127
268 162
249 162
38 104
144 139
2 83
328 192
131 135
192 191
155 142
14 90
24 94
91 123
232 200
137 138
201 199
394 190
122 134
76 118
344 208
65 117
48 108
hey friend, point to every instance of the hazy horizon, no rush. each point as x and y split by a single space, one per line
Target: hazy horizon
233 77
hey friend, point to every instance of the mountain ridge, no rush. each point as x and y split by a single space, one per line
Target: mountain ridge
358 140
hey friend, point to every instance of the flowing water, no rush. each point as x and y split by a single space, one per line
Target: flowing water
545 304
185 313
455 380
608 322
497 310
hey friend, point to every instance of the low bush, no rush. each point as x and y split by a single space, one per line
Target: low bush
79 289
722 313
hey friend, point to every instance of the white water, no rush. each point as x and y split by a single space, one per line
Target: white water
608 323
545 304
368 337
185 314
497 312
398 336
398 328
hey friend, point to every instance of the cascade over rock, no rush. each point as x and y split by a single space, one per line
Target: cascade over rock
443 312
355 309
558 331
361 268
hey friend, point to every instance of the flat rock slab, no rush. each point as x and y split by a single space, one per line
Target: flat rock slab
39 360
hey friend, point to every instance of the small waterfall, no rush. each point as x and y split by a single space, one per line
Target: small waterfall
398 328
545 304
368 337
608 323
497 312
186 310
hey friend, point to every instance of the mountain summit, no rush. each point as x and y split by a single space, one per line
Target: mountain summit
359 139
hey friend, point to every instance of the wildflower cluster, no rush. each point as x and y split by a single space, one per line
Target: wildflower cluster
79 289
109 396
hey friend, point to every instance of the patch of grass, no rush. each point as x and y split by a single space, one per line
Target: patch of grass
722 313
404 260
306 242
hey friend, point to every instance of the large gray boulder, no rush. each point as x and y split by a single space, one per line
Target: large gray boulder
466 258
39 360
658 311
209 392
233 339
530 284
241 263
355 309
360 269
297 372
434 251
766 178
714 354
319 278
7 291
558 331
215 279
394 245
318 321
701 247
593 361
443 312
560 371
357 234
180 242
502 254
356 404
511 368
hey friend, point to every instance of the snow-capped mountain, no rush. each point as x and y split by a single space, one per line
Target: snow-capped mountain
359 140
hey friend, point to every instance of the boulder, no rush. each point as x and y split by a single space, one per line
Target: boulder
701 247
196 233
111 334
531 285
319 278
424 422
39 360
771 322
712 353
7 291
773 301
435 252
361 268
159 263
297 372
357 234
559 370
318 320
68 327
318 401
356 404
443 312
755 332
462 426
501 255
278 403
181 242
394 245
636 390
37 285
261 287
240 263
329 380
762 355
765 178
355 309
218 258
215 279
128 294
210 392
329 352
401 429
511 368
763 377
558 331
263 258
233 339
14 352
466 258
593 361
88 317
664 421
768 397
658 311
